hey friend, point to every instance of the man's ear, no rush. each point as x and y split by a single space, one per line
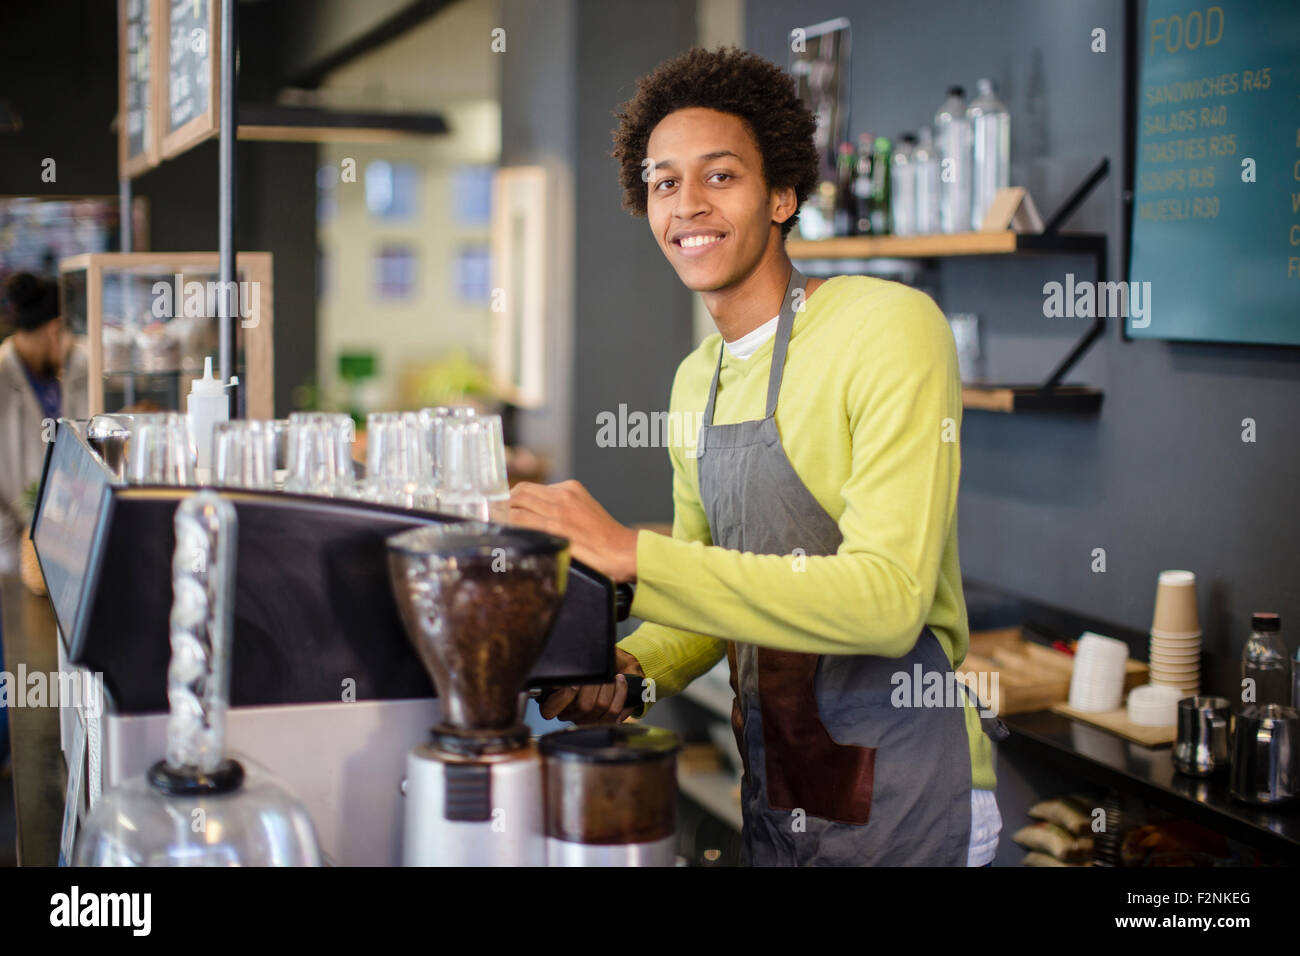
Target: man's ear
783 203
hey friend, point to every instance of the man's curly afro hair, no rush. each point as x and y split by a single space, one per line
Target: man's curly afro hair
731 81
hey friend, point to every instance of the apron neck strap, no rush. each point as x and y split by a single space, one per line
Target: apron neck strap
780 345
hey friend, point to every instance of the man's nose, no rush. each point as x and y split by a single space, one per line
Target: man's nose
691 200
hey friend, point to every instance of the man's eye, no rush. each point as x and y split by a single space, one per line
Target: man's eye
660 183
724 175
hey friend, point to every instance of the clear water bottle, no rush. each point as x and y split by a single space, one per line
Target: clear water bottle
925 160
1265 660
952 136
904 175
991 152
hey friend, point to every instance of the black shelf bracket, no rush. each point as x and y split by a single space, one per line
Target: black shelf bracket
1064 212
1097 329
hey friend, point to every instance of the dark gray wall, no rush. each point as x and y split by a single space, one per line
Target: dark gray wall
58 67
538 127
569 65
1161 478
632 315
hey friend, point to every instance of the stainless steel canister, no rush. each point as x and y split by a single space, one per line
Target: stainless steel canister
1201 747
1266 754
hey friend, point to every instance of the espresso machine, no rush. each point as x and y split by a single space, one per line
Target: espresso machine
477 602
326 689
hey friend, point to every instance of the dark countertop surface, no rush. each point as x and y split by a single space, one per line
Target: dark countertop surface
1106 760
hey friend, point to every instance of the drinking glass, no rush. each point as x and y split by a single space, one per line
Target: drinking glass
320 449
471 468
243 454
398 461
283 455
161 451
108 435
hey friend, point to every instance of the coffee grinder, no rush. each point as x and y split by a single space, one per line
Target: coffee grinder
477 601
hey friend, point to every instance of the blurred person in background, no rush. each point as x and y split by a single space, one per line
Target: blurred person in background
42 378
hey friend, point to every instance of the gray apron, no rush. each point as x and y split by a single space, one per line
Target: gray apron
834 774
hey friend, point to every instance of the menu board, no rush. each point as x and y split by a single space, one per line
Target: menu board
191 113
1216 217
137 133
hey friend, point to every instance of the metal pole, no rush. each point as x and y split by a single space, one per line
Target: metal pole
126 239
125 225
226 199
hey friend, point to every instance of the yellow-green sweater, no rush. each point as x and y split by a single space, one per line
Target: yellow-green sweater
869 415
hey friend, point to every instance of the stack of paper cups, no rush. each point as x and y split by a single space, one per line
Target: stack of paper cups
1097 683
1176 634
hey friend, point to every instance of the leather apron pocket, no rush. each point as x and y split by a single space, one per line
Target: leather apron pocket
805 767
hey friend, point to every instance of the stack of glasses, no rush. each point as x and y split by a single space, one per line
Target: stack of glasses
469 463
159 450
446 459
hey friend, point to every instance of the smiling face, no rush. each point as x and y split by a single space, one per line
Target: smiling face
709 207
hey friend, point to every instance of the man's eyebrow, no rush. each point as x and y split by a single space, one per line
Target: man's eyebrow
716 154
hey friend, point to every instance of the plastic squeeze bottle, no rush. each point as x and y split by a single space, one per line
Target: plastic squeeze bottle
207 405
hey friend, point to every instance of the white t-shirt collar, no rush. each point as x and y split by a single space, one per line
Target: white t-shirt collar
751 342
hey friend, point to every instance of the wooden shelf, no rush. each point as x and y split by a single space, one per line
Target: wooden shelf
938 246
1031 398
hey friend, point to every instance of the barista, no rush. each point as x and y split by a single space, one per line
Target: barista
814 535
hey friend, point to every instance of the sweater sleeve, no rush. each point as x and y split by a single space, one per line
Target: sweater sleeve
903 406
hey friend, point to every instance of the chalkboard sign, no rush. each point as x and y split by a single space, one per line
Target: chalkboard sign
137 92
191 76
1216 217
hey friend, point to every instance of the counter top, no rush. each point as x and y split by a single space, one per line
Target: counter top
1110 761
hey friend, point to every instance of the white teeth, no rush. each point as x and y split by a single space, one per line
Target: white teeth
690 242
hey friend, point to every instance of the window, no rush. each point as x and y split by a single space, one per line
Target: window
471 188
327 193
394 272
391 190
473 271
324 272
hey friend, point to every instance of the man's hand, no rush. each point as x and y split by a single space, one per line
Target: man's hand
569 510
597 703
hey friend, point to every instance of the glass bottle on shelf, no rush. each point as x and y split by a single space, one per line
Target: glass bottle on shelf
991 135
1265 660
846 219
952 136
1295 679
903 198
864 185
881 217
926 160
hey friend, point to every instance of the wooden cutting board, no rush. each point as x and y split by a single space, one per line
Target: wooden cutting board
1117 722
1031 676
